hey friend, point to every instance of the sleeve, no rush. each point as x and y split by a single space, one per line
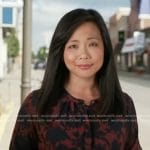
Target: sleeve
24 135
132 142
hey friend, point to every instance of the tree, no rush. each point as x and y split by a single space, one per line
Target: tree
34 57
12 44
42 54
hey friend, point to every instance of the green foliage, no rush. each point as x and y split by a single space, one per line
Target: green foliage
33 55
42 55
12 45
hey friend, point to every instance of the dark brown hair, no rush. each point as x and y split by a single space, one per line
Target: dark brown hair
56 72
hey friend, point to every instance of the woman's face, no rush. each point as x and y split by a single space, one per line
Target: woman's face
84 51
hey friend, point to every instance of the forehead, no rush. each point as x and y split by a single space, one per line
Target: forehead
86 30
88 26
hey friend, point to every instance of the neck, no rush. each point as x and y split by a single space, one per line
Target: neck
82 88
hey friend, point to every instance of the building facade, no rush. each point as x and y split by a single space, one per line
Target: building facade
118 29
11 12
132 48
139 22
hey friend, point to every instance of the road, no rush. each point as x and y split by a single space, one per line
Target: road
138 89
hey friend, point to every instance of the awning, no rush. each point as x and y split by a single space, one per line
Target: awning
129 46
135 44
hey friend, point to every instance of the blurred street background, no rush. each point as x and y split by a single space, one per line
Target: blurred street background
24 48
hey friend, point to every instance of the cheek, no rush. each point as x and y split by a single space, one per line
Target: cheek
99 57
68 58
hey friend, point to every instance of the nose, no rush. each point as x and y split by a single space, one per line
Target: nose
84 56
84 53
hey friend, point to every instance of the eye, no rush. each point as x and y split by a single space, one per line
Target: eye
93 44
73 46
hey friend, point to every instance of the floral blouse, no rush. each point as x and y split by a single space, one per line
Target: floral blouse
72 125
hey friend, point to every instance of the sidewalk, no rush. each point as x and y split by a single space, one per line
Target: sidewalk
138 87
10 102
7 122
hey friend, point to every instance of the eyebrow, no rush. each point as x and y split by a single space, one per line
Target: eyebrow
73 41
90 38
95 38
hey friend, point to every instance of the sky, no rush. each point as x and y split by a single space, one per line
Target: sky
47 13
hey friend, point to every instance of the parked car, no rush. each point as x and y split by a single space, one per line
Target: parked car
40 65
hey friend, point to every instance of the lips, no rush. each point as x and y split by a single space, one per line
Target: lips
84 66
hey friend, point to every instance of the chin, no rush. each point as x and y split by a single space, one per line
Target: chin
86 75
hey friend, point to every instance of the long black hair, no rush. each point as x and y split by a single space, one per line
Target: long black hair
56 72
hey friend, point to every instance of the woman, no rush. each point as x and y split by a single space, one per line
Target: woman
80 104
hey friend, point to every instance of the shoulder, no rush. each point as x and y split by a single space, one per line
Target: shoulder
132 141
128 104
29 104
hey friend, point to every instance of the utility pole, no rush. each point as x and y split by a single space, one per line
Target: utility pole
27 46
